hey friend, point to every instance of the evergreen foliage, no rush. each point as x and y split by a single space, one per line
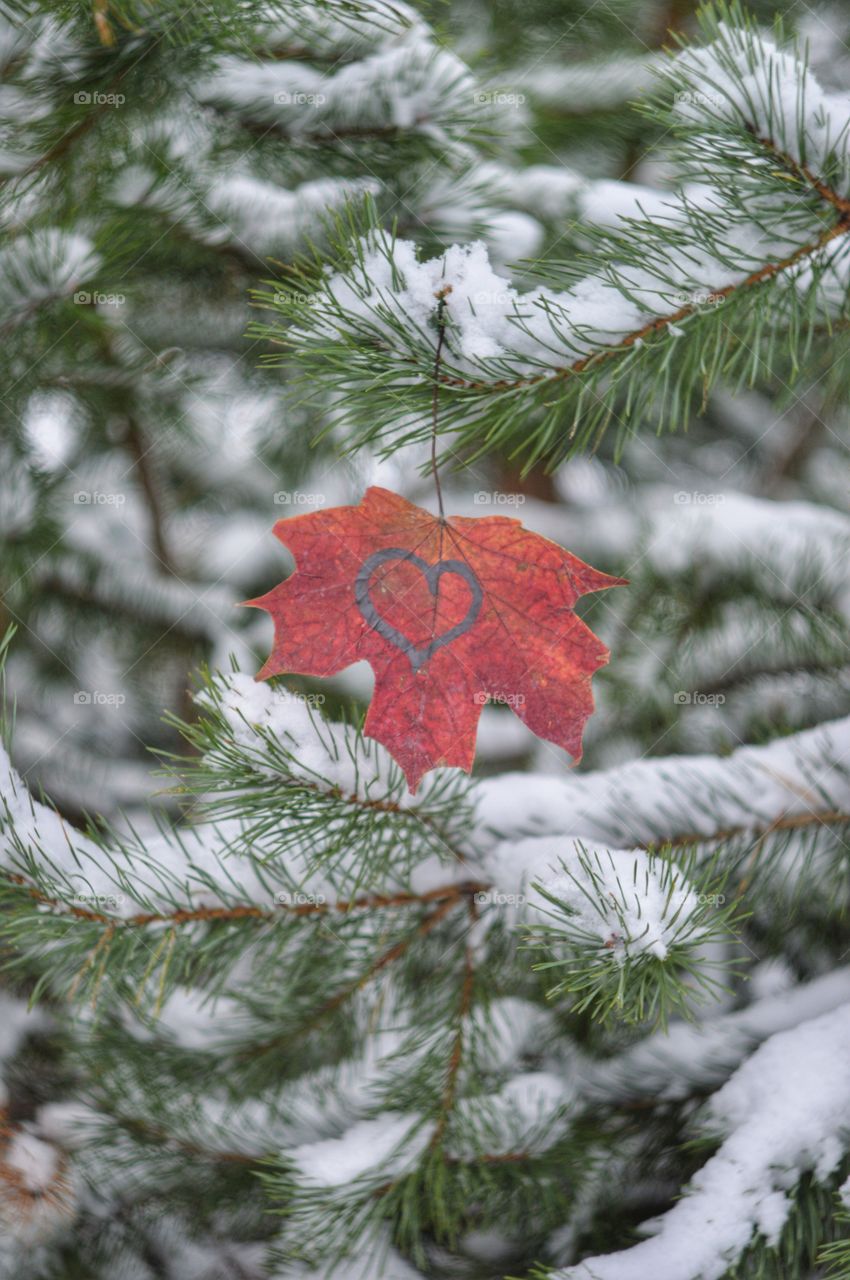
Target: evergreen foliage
263 1012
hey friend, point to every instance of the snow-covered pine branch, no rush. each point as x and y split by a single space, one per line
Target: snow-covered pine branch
781 1118
749 248
297 971
187 936
264 754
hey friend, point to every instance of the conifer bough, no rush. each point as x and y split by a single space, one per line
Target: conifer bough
745 256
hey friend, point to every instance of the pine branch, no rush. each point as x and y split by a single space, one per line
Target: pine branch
773 225
140 450
447 1101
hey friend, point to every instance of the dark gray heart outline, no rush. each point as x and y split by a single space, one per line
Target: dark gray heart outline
432 573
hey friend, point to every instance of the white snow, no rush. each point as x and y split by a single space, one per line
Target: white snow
375 1261
526 1114
744 78
658 799
33 1161
505 1029
622 897
266 218
17 1020
68 1124
476 299
716 533
589 86
45 264
388 1144
43 1195
408 83
318 747
688 1055
781 1112
547 190
496 332
491 322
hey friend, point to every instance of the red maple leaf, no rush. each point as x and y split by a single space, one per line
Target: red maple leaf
448 613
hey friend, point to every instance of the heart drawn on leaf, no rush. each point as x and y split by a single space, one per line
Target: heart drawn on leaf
449 612
432 573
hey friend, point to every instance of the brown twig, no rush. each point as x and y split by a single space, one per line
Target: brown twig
19 1195
208 915
140 450
791 822
446 895
386 958
70 136
456 1056
157 1133
435 398
100 13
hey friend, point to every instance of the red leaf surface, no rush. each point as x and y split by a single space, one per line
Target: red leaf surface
449 614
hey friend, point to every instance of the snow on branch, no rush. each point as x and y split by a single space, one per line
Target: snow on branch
407 84
248 215
755 211
783 1114
38 1195
795 782
335 32
286 852
176 877
688 1057
600 85
744 81
626 903
42 267
293 794
618 929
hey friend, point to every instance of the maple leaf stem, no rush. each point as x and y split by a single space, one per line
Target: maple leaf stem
435 398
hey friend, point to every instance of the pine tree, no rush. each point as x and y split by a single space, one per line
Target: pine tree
265 1012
